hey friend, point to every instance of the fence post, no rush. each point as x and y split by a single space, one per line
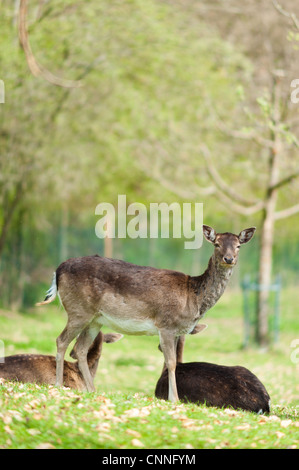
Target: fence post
2 352
247 287
2 92
276 309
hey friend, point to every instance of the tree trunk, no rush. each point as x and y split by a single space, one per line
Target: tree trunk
8 212
265 270
17 269
267 235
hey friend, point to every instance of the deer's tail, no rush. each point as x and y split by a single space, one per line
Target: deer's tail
51 293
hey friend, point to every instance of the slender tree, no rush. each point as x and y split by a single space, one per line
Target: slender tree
272 164
276 180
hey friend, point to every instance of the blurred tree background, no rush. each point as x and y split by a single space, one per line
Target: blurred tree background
181 100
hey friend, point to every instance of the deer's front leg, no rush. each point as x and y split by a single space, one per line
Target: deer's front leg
168 346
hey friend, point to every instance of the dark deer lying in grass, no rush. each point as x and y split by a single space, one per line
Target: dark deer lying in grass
215 385
138 300
39 368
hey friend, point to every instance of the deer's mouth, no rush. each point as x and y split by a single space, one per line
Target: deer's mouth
228 265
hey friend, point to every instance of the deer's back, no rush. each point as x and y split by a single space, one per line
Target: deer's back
217 385
118 275
122 291
38 368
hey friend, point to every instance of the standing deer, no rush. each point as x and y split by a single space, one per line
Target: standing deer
139 300
215 385
39 368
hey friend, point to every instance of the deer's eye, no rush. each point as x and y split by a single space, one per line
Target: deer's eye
217 245
238 246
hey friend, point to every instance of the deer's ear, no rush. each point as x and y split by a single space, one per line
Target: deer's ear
112 337
209 233
198 328
246 235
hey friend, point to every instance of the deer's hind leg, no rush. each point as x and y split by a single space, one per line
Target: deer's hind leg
80 351
73 327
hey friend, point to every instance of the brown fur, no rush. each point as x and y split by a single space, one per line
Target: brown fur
39 368
133 299
215 385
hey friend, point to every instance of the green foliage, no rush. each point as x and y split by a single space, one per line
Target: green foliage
153 75
123 412
147 71
41 417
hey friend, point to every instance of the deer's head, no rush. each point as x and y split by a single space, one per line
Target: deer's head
227 244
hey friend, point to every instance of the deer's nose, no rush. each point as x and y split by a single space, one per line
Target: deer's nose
228 260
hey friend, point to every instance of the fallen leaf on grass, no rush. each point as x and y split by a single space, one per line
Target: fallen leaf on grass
105 436
19 395
103 399
243 427
230 412
222 444
132 432
15 415
103 427
8 430
208 427
45 445
280 434
31 405
137 443
189 424
33 432
176 410
189 446
263 420
262 441
271 418
285 423
7 419
137 412
54 392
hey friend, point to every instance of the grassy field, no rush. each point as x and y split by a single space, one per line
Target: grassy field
123 413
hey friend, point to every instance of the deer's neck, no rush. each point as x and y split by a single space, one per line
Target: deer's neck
211 284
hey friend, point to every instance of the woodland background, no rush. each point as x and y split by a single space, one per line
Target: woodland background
181 100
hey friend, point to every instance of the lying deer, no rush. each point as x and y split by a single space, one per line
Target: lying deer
215 385
39 368
138 300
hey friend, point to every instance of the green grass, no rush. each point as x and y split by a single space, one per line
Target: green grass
123 413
